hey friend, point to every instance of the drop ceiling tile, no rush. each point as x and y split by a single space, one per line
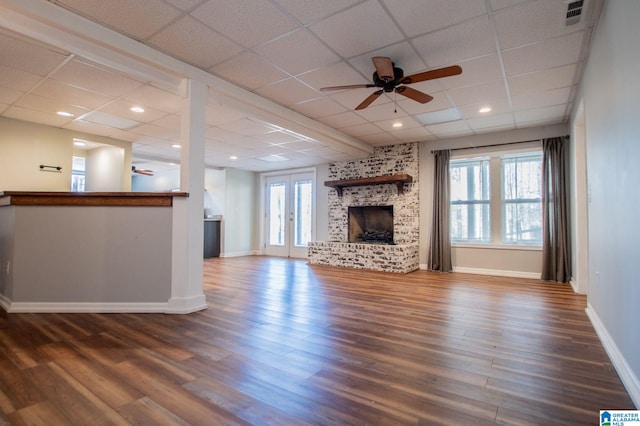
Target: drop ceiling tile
546 54
170 121
375 30
89 128
49 105
308 11
156 132
247 22
498 106
338 74
500 120
500 4
25 55
361 130
70 94
542 99
553 78
184 4
34 116
318 107
380 139
381 112
159 99
95 78
541 116
298 145
195 43
458 43
477 94
344 119
297 52
139 18
279 137
122 108
407 123
288 92
417 17
16 79
452 128
478 70
414 134
249 71
221 135
515 27
9 96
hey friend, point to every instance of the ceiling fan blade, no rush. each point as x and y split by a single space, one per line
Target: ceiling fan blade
432 75
372 97
350 86
384 67
414 94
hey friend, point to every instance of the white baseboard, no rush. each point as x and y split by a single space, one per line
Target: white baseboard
240 253
68 307
5 303
627 375
494 272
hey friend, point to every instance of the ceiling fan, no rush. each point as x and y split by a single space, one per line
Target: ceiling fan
146 172
391 79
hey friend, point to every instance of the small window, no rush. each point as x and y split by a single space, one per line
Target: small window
78 174
470 219
522 199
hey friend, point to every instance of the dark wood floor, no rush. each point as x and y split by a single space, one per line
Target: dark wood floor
287 344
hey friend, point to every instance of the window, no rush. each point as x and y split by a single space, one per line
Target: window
522 199
470 202
497 199
78 174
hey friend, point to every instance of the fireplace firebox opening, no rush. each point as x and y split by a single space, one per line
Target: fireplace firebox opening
370 224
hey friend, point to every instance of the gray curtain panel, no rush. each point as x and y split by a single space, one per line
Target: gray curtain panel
440 247
556 253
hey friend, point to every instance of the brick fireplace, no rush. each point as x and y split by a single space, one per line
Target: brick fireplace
399 196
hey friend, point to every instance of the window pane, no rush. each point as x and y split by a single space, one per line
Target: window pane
277 219
522 199
470 193
302 209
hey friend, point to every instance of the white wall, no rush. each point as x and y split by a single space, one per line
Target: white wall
104 169
493 260
240 235
24 146
612 127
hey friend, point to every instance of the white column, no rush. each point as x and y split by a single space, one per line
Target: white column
188 213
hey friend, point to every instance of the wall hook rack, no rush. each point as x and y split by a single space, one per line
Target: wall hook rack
46 168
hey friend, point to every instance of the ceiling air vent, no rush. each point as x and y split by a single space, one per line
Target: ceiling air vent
574 12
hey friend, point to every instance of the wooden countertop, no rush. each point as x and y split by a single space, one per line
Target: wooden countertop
53 198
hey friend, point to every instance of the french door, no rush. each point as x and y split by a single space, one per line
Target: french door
289 214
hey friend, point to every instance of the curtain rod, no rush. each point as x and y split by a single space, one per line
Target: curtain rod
496 144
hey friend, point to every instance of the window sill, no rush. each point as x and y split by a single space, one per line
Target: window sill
496 246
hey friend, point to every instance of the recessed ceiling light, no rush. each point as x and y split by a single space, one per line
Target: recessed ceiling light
64 114
176 146
172 164
484 109
137 109
397 124
79 143
233 157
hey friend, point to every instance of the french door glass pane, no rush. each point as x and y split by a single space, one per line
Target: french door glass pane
302 212
277 214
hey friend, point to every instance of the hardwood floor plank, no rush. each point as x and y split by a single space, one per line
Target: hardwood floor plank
286 343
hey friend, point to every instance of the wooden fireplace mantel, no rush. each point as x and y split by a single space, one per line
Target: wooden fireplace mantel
398 180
